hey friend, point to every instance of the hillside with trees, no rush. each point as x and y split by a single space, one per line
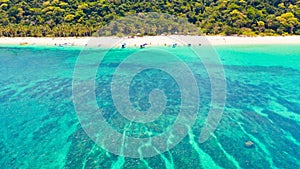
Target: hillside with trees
62 18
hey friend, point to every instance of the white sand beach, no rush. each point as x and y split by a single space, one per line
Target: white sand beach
151 40
234 40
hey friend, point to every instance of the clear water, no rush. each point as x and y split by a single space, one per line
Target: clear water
39 127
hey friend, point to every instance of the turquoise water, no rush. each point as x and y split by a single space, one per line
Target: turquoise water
39 127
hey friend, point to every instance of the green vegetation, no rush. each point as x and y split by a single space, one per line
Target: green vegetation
84 17
151 24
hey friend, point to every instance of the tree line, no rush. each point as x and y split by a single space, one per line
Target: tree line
63 18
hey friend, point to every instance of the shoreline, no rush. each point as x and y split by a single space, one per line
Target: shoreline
151 41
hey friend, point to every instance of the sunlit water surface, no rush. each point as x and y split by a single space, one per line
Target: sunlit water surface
39 127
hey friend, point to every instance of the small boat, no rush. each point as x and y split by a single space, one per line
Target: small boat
123 45
64 44
143 45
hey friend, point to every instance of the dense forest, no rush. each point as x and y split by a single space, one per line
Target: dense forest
62 18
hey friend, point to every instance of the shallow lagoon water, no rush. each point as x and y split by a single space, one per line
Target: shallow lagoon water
39 127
